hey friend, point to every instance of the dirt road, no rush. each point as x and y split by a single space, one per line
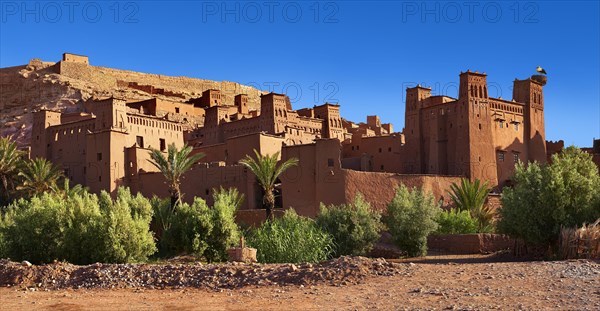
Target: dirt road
573 285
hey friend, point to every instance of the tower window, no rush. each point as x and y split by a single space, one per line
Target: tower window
516 157
139 140
500 156
330 162
176 109
99 156
163 144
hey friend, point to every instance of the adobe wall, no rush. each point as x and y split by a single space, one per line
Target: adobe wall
379 188
385 152
318 177
74 58
236 148
200 181
470 243
68 148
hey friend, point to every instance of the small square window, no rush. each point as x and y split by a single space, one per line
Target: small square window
99 156
330 162
501 156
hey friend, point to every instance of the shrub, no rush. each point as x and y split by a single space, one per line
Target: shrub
292 239
411 218
456 222
186 229
471 196
225 232
80 228
354 227
546 197
127 220
198 229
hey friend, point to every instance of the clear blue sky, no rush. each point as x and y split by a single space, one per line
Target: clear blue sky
362 54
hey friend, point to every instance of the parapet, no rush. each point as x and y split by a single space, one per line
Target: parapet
74 58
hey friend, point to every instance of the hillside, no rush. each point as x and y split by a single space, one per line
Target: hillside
67 84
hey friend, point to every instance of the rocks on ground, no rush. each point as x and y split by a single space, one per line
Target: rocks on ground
338 272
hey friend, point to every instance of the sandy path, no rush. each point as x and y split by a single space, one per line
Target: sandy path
501 286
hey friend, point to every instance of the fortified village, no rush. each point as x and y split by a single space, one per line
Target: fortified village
107 143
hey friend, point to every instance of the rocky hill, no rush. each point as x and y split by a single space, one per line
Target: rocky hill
67 84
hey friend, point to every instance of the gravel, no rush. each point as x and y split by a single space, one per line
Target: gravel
337 272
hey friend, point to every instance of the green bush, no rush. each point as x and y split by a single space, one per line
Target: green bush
187 229
225 232
80 228
354 227
546 197
471 196
290 239
456 222
411 218
127 220
198 229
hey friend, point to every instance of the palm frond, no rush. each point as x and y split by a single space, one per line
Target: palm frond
39 176
174 165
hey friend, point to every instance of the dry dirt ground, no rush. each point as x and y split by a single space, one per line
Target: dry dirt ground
568 285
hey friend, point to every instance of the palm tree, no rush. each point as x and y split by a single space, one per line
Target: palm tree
471 196
69 192
267 171
173 167
10 161
39 176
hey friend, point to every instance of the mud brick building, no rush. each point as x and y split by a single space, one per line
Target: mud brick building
106 145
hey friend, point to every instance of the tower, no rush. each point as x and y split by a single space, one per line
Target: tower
332 122
273 112
241 102
412 128
40 138
530 93
475 154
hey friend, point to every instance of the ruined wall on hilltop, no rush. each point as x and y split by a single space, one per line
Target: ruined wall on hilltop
66 85
109 78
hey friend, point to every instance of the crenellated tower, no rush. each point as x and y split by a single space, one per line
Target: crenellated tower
475 155
273 112
530 93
